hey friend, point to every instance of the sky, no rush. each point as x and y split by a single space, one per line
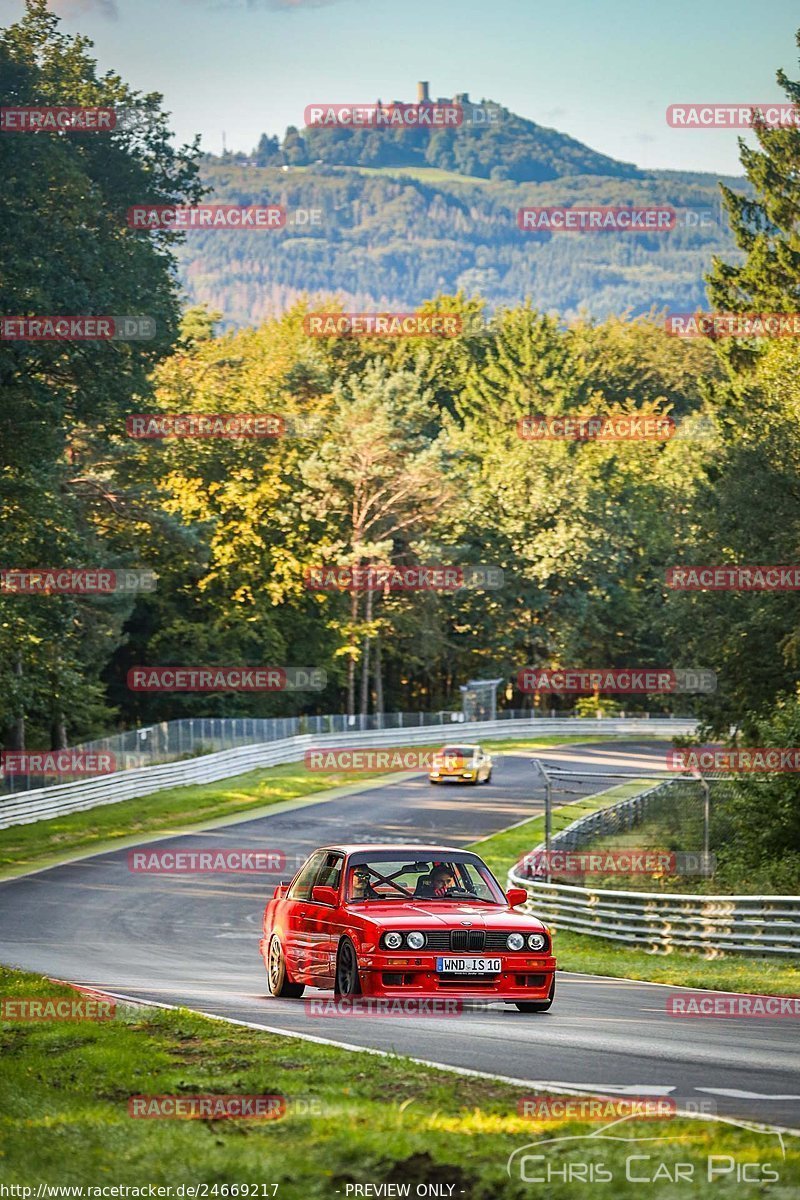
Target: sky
603 71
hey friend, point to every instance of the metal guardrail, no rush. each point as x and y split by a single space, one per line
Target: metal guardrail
142 781
189 737
658 921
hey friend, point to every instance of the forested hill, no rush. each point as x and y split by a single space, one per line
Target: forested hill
391 237
490 143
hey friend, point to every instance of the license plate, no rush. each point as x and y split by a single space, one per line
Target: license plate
468 966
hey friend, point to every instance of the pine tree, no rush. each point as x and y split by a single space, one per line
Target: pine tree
766 226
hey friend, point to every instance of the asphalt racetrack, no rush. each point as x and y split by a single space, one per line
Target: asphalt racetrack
193 940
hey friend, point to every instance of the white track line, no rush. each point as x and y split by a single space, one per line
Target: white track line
546 1086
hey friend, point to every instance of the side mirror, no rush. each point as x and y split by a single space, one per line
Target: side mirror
515 896
326 895
281 890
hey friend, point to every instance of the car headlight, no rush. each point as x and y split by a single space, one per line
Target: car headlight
536 941
515 941
393 941
415 940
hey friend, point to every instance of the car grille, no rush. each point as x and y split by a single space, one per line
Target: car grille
470 939
467 939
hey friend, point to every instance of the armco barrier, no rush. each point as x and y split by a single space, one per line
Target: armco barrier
659 921
142 781
189 737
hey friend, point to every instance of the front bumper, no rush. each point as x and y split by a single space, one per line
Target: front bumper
522 976
458 776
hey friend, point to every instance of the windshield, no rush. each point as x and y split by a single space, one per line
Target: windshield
425 879
458 751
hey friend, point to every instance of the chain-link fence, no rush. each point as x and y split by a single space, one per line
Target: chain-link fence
680 822
653 914
170 741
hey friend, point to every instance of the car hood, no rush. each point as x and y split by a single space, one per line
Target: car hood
445 914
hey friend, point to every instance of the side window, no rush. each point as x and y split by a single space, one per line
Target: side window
331 871
301 888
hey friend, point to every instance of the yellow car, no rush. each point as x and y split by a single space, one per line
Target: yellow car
467 764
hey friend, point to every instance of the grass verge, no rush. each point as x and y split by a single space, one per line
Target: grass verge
567 739
176 809
172 810
351 1118
594 955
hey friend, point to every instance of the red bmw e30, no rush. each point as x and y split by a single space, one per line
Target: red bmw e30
401 921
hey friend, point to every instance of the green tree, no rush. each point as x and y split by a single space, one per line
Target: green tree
748 509
68 251
766 226
375 484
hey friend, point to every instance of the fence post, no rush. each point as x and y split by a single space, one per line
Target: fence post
706 818
548 815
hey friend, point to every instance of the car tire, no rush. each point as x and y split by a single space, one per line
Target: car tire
435 782
529 1006
347 982
278 980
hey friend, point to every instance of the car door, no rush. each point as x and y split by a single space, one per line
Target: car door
322 923
298 936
